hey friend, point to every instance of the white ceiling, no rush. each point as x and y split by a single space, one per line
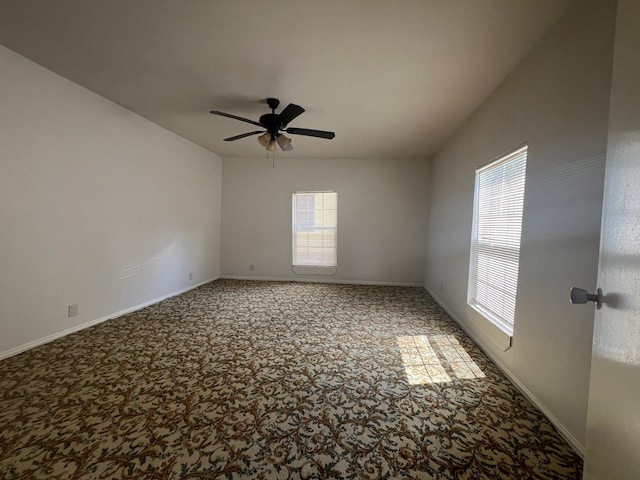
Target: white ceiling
391 78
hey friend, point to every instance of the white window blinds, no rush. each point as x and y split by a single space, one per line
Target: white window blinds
495 243
315 229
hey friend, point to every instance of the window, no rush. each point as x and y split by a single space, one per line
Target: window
305 211
495 241
315 232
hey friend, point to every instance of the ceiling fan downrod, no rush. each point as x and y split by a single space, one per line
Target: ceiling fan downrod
273 104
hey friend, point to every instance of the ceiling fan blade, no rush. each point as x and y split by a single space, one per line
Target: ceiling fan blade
284 143
237 137
222 114
310 133
290 112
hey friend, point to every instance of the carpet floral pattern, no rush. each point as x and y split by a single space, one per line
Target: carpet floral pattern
270 380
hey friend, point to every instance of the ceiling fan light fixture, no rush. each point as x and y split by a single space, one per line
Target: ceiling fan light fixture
271 146
264 140
284 141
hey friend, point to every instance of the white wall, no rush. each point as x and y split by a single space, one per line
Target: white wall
98 207
557 101
382 206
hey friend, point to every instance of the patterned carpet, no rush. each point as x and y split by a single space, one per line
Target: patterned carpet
266 380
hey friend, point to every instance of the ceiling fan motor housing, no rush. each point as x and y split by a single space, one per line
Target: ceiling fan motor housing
272 122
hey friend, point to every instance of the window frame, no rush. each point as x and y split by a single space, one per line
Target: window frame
504 253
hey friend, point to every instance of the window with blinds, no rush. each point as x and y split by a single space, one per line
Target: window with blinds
315 232
495 242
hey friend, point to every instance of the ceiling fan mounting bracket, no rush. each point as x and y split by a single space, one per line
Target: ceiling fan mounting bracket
273 103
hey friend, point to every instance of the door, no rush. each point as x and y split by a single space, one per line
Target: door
613 423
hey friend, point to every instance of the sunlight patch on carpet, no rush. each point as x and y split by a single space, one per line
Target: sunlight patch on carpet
435 359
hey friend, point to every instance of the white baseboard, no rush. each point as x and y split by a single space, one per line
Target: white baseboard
568 436
41 341
320 279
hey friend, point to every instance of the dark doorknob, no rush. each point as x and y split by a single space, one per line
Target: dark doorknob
580 295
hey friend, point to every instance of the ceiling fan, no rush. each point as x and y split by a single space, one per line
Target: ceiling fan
273 123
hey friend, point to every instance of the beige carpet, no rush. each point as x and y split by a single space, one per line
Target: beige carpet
273 380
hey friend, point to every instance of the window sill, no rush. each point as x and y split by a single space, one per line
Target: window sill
313 270
499 333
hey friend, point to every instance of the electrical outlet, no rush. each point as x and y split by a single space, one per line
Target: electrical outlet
190 275
251 268
73 310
